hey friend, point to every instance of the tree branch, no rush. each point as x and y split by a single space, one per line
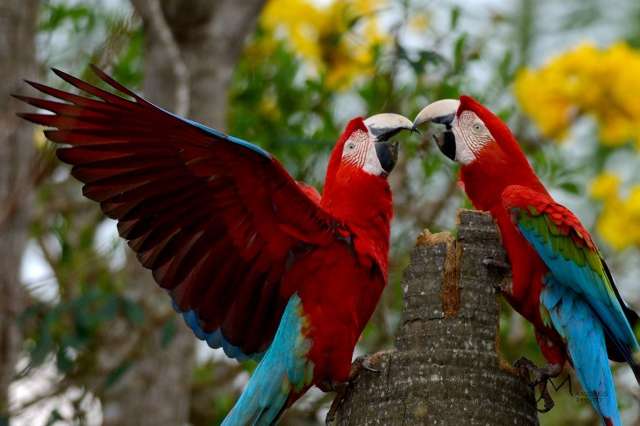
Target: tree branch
445 368
153 18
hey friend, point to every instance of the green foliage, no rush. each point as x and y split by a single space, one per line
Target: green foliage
72 326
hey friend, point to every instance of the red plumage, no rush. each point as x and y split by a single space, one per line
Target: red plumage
224 228
500 178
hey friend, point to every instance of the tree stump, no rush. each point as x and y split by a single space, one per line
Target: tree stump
445 369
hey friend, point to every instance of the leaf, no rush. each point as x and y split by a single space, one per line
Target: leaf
504 68
454 17
54 418
571 187
458 53
63 360
168 332
133 312
117 373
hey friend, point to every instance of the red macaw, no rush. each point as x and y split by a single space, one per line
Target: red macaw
257 263
560 282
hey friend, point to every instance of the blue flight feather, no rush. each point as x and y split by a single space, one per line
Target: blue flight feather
214 339
576 321
283 370
221 135
585 281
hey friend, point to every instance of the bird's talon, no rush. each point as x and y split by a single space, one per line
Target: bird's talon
365 362
341 392
546 397
539 377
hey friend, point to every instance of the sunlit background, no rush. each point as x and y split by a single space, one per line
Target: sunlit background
564 75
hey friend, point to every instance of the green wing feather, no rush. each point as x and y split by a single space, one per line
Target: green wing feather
574 260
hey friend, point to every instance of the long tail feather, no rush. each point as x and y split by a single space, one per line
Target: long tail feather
283 374
580 326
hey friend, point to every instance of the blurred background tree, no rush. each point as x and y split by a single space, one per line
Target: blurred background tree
97 343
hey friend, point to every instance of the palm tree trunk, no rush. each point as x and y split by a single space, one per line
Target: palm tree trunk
445 368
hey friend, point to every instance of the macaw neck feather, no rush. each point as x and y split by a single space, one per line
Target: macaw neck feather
363 202
497 166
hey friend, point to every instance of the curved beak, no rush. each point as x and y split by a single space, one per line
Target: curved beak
441 112
383 127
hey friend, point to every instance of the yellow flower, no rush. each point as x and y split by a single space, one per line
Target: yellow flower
605 186
336 39
619 222
269 107
603 84
633 203
419 23
614 226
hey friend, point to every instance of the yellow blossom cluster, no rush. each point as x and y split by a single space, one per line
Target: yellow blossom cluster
619 222
336 39
601 83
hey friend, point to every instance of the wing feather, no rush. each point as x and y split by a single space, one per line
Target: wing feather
574 260
214 217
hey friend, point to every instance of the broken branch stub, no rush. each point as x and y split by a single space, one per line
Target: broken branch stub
445 368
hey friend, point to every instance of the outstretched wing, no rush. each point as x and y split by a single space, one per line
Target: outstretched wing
574 260
214 217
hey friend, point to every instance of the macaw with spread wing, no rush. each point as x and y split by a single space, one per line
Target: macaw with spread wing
257 263
561 283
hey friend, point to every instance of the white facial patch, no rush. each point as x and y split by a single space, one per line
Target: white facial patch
471 136
360 151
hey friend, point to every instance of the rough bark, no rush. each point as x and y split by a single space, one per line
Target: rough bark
18 20
191 49
445 368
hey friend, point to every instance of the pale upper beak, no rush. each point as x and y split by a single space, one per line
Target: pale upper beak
386 125
442 112
383 127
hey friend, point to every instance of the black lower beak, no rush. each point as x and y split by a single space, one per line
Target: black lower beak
387 153
447 144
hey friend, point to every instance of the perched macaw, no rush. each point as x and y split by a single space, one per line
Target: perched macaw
257 263
560 282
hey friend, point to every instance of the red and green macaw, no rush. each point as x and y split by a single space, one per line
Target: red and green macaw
257 264
561 283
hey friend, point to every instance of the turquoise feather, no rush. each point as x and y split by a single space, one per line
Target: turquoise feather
284 369
574 319
581 270
582 304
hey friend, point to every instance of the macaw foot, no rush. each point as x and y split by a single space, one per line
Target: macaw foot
539 377
365 363
360 364
341 392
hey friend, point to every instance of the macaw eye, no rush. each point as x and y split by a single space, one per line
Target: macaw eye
351 146
477 127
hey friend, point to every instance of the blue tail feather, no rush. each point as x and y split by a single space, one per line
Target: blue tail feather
283 371
575 320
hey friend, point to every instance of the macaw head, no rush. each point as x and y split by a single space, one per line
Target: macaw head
470 129
366 144
476 138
